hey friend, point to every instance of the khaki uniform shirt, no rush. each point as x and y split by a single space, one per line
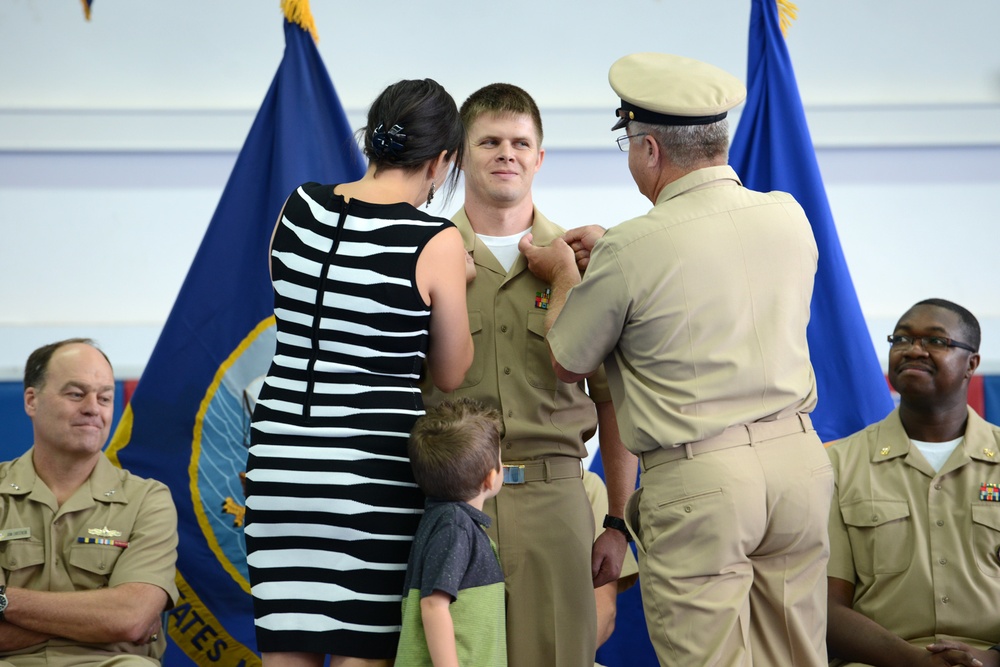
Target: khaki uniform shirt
511 370
704 303
920 547
40 547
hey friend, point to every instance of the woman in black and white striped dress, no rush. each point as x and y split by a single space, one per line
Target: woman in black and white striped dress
366 287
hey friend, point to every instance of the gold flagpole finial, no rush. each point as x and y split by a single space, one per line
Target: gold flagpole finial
787 12
297 11
86 8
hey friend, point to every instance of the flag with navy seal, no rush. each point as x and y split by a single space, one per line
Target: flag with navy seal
772 150
188 422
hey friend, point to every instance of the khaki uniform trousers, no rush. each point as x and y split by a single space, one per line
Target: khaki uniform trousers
76 656
544 533
733 546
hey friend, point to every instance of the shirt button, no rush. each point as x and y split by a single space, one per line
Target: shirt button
503 328
940 522
687 508
510 413
874 518
943 561
937 486
945 599
506 370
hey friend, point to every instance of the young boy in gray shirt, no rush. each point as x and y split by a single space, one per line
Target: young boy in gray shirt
453 598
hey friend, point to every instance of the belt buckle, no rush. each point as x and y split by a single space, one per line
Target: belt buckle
513 474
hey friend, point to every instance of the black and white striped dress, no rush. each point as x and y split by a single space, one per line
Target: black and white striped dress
332 506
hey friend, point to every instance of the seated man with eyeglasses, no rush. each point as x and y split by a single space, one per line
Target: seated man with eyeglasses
914 570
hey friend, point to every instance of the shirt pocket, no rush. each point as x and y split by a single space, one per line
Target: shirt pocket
537 360
986 537
881 534
91 565
23 561
475 373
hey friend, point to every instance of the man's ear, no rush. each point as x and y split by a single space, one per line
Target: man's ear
652 150
974 360
30 401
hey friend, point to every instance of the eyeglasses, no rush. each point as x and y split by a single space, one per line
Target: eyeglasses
929 343
623 141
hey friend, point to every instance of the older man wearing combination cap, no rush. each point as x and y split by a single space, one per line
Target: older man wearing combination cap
700 308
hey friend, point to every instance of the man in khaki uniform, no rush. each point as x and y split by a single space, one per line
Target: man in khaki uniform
542 521
87 549
915 520
702 304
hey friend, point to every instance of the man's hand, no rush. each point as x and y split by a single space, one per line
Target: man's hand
550 263
153 633
607 557
582 240
957 653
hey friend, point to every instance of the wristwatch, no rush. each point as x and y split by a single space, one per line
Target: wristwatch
613 522
3 600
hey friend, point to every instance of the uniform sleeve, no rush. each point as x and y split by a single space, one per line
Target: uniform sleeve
151 556
841 563
591 321
597 386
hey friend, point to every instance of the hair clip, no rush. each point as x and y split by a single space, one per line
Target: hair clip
388 143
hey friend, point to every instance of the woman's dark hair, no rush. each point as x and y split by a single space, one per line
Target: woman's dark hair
411 122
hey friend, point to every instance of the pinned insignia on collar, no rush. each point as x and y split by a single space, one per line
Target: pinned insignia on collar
104 532
989 491
542 298
109 493
885 451
989 452
15 486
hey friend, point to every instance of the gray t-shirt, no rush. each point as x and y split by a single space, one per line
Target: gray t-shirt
452 553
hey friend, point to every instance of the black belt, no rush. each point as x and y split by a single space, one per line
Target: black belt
543 470
734 436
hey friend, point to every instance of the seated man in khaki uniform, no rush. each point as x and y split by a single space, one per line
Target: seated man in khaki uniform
914 573
87 550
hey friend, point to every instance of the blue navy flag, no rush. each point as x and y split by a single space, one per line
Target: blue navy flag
772 150
188 422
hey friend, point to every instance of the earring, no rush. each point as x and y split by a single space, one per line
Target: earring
430 196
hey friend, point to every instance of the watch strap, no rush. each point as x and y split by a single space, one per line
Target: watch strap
617 523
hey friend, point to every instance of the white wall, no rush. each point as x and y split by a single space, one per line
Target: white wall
117 136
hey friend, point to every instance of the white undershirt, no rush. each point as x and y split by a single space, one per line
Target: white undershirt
937 453
504 248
